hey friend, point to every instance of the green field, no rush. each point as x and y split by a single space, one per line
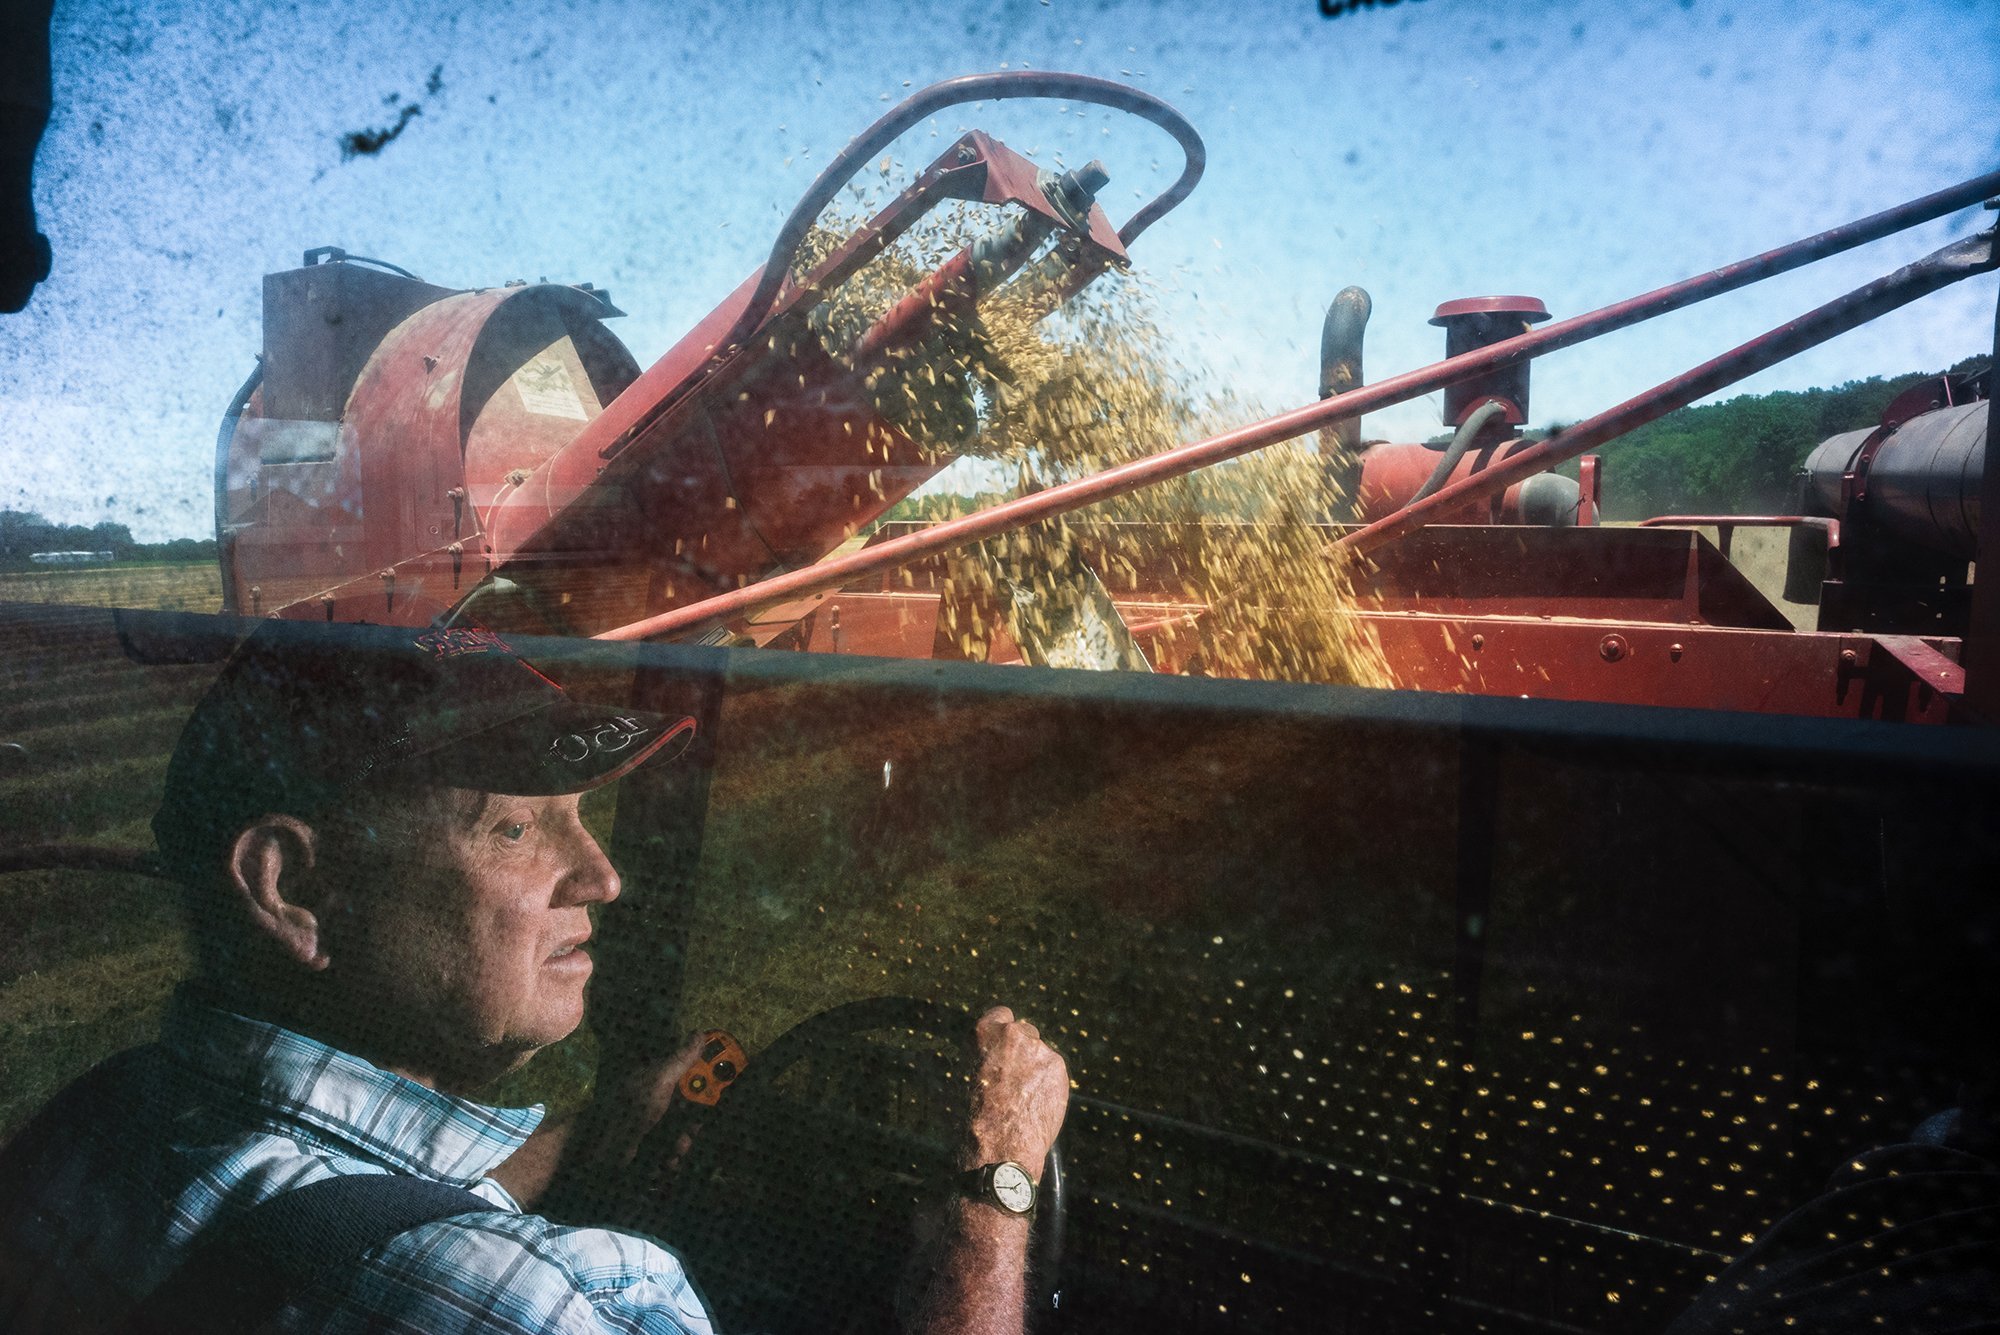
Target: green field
186 586
85 961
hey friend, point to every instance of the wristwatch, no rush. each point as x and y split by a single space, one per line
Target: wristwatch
1005 1186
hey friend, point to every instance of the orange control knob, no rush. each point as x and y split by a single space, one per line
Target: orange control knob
720 1061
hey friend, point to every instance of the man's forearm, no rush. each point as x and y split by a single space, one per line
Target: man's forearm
980 1284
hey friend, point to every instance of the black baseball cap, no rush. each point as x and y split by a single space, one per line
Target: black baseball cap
302 714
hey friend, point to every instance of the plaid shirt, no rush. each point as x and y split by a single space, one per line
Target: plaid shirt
224 1112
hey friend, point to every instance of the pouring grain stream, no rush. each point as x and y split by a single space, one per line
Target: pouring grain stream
1096 385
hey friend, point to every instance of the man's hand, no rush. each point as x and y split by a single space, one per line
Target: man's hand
1019 1094
585 1157
975 1282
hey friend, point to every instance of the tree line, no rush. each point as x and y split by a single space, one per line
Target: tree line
1740 456
23 533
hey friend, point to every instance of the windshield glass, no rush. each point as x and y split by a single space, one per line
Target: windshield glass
1490 831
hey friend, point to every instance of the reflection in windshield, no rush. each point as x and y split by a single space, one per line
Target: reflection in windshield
1097 526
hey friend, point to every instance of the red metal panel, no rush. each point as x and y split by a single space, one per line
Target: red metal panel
537 375
1619 574
1590 486
883 625
403 421
1693 667
370 532
1926 663
399 444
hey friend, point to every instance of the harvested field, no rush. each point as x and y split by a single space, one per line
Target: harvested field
183 586
85 961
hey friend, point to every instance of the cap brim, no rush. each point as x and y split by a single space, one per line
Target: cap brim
568 747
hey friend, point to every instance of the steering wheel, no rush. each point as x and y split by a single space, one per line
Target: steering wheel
803 1192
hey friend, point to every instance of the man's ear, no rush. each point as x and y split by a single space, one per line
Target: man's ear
270 868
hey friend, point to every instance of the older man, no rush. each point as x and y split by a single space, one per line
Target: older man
391 892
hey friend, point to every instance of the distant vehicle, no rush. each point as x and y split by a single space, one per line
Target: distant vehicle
70 558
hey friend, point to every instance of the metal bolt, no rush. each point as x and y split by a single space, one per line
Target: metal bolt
1611 648
1848 658
966 153
1479 641
1674 652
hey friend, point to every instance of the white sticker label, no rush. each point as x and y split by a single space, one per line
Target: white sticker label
546 389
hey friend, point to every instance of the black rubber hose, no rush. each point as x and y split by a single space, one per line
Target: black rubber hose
967 88
339 256
1460 443
1340 345
1340 340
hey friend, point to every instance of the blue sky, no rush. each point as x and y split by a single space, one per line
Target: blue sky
1576 150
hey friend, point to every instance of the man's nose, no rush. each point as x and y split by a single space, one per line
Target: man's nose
590 878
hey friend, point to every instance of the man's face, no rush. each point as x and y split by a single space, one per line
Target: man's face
468 915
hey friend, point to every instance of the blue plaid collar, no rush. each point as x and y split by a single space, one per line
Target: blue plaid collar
301 1081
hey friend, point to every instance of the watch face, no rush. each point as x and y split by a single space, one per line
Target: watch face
1014 1189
